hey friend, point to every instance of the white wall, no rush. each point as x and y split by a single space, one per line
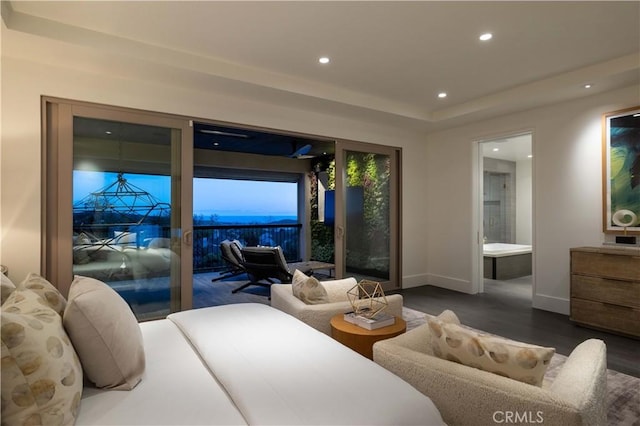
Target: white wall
524 207
32 66
566 198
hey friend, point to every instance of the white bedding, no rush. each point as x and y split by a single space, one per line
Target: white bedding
176 389
280 371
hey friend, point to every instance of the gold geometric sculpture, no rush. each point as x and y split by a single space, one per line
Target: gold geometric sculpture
367 298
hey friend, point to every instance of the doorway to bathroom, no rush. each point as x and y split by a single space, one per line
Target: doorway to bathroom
505 215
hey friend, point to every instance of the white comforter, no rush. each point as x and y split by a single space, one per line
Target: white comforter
176 389
252 364
280 371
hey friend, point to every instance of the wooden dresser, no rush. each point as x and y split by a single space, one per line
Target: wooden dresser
605 289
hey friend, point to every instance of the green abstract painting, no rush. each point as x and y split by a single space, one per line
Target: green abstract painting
622 147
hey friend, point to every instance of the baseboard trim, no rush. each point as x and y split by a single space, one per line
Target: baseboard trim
551 303
449 283
411 281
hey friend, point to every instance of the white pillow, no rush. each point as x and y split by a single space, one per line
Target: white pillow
308 289
125 238
105 333
160 243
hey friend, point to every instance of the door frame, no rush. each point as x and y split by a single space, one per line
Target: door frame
57 180
477 219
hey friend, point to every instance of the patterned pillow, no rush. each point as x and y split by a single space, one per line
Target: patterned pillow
308 289
105 333
41 373
6 287
516 360
49 294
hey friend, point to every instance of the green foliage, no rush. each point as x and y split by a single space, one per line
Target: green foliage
322 248
368 240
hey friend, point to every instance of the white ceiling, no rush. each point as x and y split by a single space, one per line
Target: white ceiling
388 59
514 148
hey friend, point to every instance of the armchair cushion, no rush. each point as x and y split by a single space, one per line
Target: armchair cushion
308 289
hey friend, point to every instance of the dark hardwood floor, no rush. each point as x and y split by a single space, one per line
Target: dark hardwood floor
505 309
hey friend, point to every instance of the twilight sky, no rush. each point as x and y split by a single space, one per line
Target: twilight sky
223 197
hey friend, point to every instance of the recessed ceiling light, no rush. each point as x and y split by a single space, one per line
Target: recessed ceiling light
216 144
324 60
636 115
530 156
442 95
587 86
486 37
108 132
496 149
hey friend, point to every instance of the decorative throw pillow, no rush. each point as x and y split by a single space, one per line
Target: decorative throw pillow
105 333
6 287
41 373
448 316
308 289
43 288
516 360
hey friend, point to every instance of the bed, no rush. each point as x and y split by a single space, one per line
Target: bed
242 364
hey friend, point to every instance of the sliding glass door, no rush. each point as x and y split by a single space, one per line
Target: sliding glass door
367 213
127 220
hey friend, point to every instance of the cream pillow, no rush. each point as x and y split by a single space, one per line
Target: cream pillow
516 360
41 373
6 287
43 288
105 333
308 289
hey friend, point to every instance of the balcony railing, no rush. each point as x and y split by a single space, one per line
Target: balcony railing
207 238
206 242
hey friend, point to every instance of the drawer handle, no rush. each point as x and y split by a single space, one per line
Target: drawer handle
629 308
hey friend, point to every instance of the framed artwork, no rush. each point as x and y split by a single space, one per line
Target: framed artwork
621 171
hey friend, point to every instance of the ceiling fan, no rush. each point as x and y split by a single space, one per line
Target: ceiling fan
301 153
221 133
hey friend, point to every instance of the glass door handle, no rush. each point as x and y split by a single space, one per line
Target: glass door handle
187 238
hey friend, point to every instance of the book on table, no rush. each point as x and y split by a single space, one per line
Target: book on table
380 320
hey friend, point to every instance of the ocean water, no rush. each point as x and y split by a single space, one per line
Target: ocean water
249 219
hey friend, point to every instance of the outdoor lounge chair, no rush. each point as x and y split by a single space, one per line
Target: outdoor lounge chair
231 254
263 265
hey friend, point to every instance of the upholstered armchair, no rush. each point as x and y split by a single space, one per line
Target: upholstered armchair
466 395
319 316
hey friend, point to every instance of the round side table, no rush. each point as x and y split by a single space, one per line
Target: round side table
360 339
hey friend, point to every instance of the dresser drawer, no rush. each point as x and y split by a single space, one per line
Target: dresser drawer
611 317
606 265
625 293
